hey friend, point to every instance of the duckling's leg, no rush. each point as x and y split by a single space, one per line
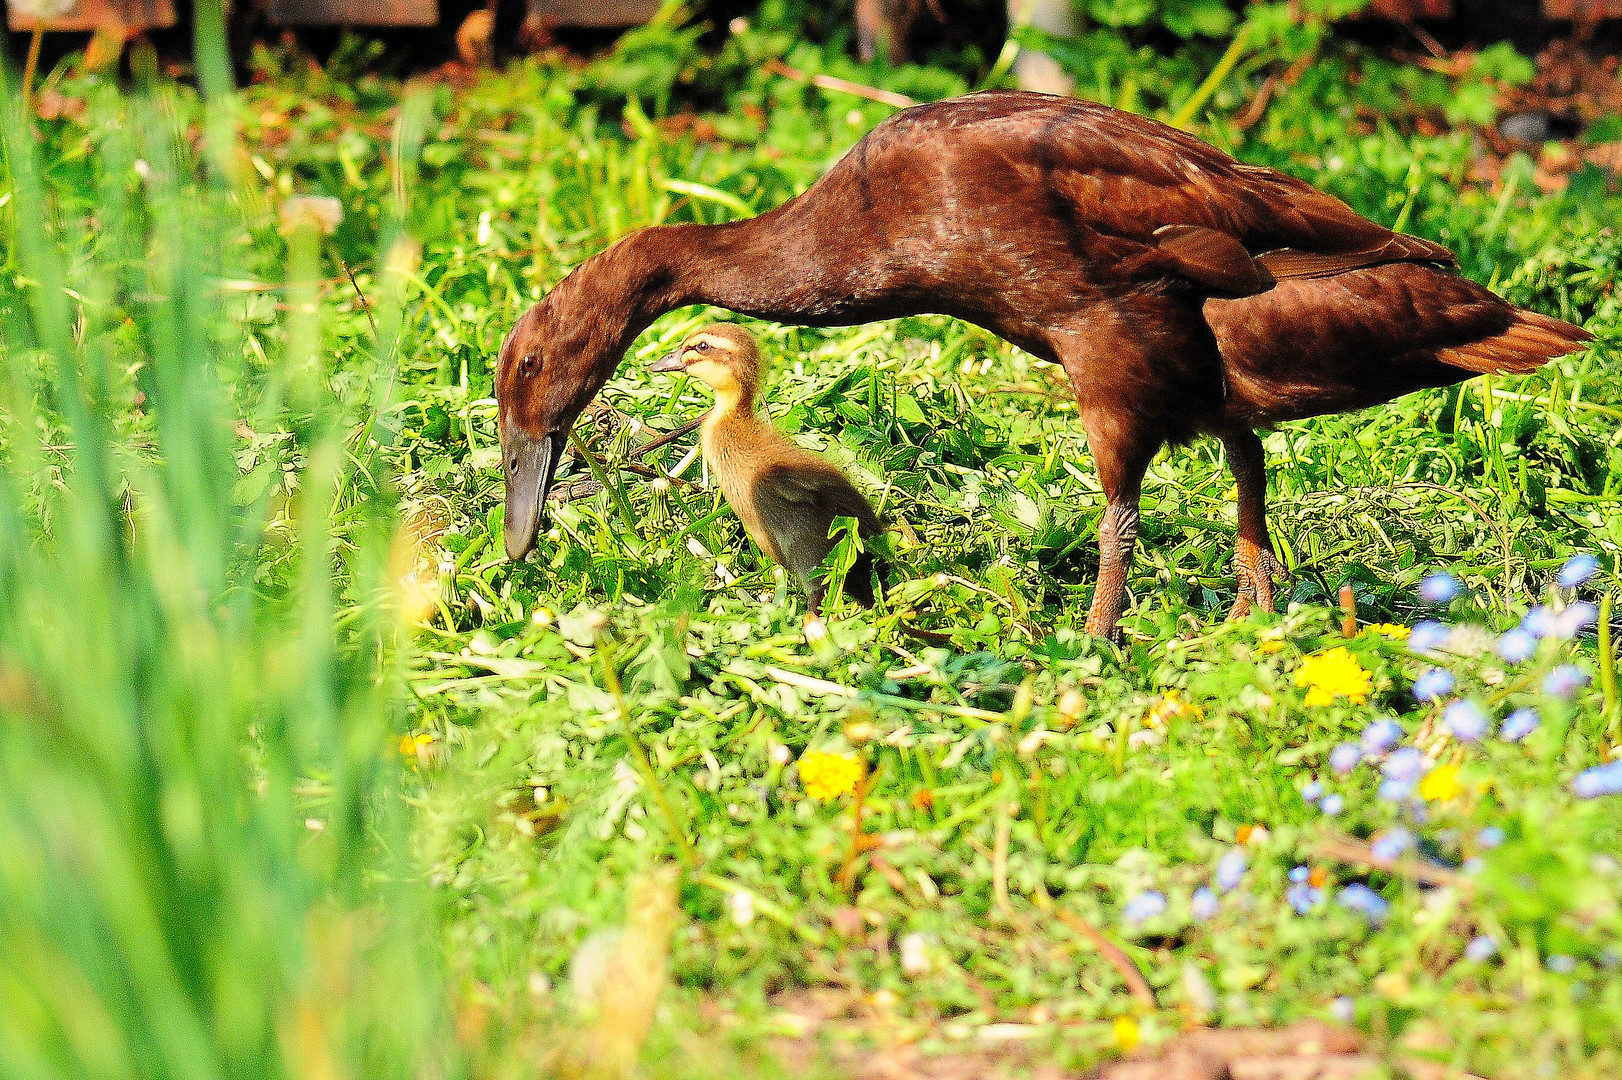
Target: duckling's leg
1254 563
814 594
816 631
1121 461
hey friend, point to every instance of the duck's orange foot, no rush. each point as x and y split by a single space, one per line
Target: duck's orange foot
1257 569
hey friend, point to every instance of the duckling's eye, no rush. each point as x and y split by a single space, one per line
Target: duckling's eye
702 346
528 365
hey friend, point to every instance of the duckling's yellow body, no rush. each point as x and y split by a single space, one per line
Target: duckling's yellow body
786 497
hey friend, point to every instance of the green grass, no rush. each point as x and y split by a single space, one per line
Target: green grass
228 439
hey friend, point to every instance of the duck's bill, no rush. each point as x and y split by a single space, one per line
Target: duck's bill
531 464
668 362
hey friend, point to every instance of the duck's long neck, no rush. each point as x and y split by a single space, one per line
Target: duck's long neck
770 267
775 266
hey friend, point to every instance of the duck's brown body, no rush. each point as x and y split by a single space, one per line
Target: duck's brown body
786 496
1182 292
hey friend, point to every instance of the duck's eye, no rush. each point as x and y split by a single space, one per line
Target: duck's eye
702 346
528 365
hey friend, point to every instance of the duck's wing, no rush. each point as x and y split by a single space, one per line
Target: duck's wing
798 501
1161 199
1130 174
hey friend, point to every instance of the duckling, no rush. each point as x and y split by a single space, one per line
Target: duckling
786 497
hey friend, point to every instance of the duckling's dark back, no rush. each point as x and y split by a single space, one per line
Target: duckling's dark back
796 501
787 498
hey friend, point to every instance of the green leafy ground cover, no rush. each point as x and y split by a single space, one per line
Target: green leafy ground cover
201 402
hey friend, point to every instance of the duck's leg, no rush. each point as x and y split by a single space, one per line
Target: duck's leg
1121 463
1254 563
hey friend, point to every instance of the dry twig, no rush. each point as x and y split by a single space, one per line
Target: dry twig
571 490
842 86
1355 852
1122 963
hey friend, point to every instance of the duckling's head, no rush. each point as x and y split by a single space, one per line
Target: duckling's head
724 356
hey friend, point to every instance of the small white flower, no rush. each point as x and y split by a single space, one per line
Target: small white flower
322 211
1071 703
1201 994
625 777
1032 742
741 906
589 966
914 954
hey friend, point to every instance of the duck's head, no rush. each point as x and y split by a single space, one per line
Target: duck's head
552 364
724 356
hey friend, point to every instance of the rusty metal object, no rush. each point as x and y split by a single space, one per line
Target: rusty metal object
608 13
80 15
352 12
1582 10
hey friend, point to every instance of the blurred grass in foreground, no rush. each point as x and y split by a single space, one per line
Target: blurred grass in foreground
199 872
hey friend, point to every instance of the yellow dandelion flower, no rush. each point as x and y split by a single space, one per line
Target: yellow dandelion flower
1273 645
1172 705
1329 675
1126 1033
1441 784
828 776
411 745
1391 630
418 749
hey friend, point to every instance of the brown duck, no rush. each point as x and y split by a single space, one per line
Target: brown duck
1183 293
785 496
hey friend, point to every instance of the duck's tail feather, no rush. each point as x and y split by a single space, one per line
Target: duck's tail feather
1529 342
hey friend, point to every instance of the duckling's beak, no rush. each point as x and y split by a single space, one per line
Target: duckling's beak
531 464
668 362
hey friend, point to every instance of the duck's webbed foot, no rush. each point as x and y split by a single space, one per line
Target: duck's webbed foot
1257 569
